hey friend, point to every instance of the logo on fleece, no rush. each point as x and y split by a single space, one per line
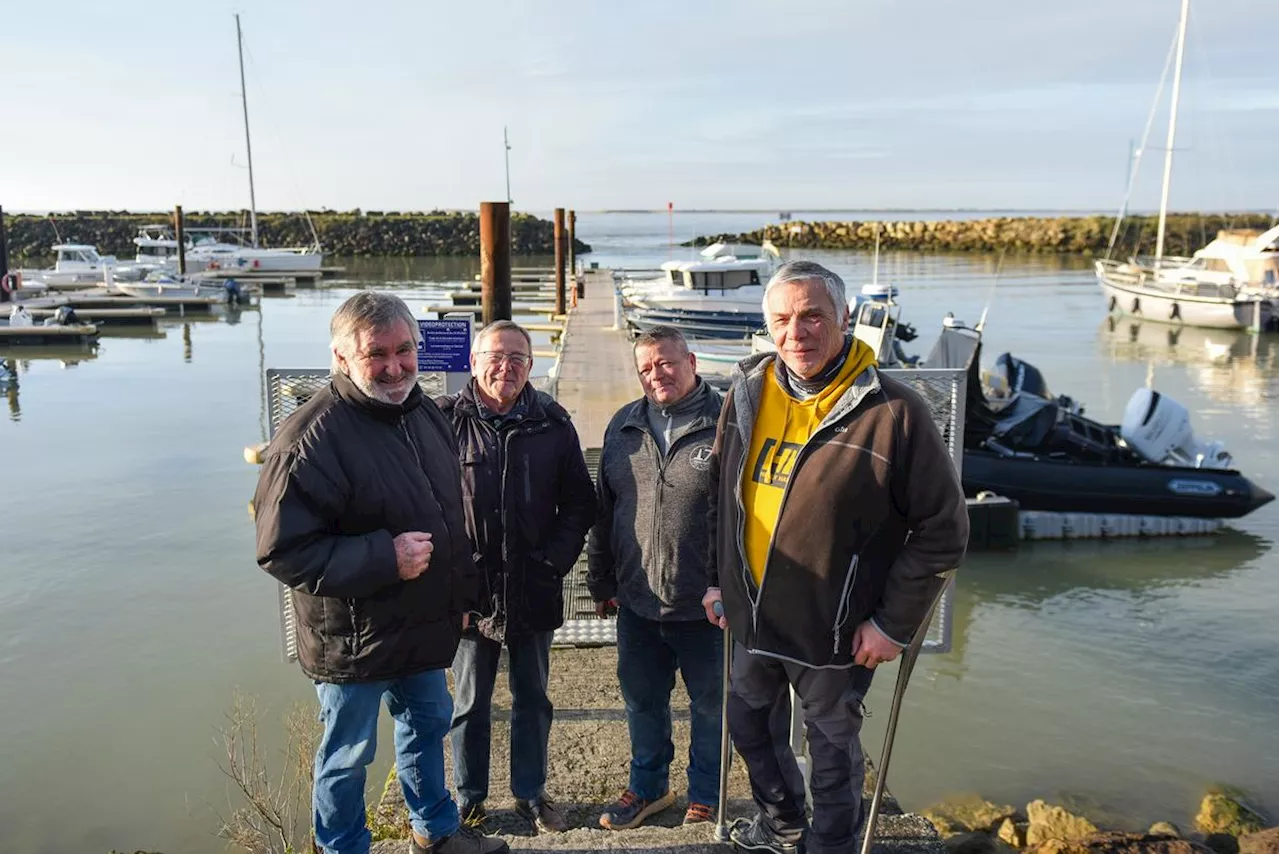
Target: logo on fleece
775 462
700 457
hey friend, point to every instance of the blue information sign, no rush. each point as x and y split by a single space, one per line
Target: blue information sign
446 346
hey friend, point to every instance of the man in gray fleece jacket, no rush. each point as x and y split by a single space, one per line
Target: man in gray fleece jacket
648 555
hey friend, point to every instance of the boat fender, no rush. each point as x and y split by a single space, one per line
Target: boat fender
1137 306
1113 304
1175 313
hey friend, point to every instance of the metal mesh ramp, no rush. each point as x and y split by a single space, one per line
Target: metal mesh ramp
942 389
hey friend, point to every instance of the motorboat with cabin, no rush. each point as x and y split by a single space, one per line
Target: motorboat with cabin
76 265
717 296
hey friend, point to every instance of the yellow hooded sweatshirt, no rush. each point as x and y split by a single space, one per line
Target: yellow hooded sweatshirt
783 425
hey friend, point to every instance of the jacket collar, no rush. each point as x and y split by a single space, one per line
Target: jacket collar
529 401
747 385
344 389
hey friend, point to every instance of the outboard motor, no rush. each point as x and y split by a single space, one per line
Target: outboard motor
1159 428
1020 376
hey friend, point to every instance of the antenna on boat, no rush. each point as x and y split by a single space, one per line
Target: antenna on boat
991 292
875 263
248 147
506 156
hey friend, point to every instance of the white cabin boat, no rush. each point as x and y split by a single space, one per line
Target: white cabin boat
75 264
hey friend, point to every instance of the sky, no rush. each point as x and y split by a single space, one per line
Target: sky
856 104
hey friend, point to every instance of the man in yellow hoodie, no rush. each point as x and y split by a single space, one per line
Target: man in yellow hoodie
835 507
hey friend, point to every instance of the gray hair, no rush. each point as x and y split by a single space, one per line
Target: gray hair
375 310
808 271
658 334
502 326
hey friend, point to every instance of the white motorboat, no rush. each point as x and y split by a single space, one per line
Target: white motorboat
1226 285
75 265
718 296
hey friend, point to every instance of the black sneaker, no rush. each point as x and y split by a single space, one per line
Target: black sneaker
542 814
630 810
755 835
465 840
474 816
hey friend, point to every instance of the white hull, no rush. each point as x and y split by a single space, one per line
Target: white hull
162 289
1166 305
262 260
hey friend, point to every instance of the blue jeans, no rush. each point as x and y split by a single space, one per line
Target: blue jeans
475 669
421 706
649 653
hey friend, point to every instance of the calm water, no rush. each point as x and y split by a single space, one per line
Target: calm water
1124 677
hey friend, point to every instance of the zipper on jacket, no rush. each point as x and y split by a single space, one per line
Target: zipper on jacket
786 491
842 613
408 437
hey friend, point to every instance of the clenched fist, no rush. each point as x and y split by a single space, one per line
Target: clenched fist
413 553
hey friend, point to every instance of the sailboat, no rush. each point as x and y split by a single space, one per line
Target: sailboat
222 259
1191 292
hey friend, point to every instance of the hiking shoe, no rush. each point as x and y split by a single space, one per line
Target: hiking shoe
474 816
631 809
755 835
698 813
542 814
465 840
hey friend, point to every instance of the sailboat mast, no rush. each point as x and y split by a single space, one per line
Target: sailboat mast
1173 123
248 146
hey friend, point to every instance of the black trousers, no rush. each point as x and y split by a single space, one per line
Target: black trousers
831 704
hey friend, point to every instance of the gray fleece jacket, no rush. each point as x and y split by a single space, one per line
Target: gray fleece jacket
649 548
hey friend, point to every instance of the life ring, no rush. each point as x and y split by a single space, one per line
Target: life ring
1137 306
1175 313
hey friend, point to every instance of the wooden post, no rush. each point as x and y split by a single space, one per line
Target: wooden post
4 248
182 243
495 262
579 287
559 237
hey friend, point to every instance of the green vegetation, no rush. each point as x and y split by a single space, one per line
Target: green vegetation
341 234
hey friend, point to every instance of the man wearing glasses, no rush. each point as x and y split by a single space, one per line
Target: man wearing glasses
528 502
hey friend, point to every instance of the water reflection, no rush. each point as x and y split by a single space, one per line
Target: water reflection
1039 571
1230 366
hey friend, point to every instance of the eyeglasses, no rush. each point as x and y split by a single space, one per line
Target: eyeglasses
493 357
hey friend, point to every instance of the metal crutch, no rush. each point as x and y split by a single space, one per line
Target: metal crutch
721 831
904 675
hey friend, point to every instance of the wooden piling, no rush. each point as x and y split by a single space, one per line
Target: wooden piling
182 243
495 261
559 236
4 254
580 285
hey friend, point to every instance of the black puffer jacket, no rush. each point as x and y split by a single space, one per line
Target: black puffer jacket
343 476
529 504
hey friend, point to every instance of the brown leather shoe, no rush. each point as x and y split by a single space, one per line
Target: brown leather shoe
543 814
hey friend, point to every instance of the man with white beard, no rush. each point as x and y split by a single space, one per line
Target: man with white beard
359 512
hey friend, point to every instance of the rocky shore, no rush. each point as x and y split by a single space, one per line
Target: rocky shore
1225 824
344 233
1085 235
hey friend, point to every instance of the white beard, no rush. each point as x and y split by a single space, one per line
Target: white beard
384 392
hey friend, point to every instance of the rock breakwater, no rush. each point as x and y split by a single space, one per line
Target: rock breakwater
349 233
1083 235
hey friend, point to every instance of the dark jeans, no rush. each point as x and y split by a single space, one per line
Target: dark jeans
475 668
831 702
649 654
